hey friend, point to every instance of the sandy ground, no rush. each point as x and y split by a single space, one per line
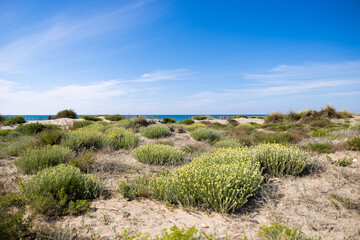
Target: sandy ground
239 120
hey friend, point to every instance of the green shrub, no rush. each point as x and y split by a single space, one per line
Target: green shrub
81 124
5 132
67 113
199 117
14 120
223 180
34 160
187 121
83 139
194 126
228 143
84 161
246 126
125 123
33 128
277 231
136 188
155 131
2 118
293 116
79 207
122 138
168 120
115 117
205 134
274 117
355 142
90 118
158 154
51 137
21 144
51 190
240 116
279 160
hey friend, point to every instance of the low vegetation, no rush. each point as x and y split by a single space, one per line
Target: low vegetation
86 139
33 128
158 154
90 118
115 117
205 134
14 120
122 138
155 131
187 121
228 143
167 120
194 126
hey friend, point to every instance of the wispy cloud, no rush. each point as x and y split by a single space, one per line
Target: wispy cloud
59 31
161 75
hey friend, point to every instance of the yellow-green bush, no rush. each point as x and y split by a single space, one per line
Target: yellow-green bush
158 154
34 160
51 190
223 180
228 143
155 131
86 138
122 138
279 160
21 144
205 134
194 126
246 126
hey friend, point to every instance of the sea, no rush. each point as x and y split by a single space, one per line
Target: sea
176 117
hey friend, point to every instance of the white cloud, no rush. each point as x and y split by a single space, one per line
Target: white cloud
160 75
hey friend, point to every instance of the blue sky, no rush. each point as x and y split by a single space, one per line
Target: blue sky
178 56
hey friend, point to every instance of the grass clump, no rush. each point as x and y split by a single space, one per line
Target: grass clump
52 190
228 143
205 134
81 124
67 113
51 137
158 154
222 180
90 118
122 138
85 139
5 132
34 160
240 116
155 131
136 188
274 117
277 231
187 121
279 160
355 143
14 120
199 117
21 144
194 126
115 117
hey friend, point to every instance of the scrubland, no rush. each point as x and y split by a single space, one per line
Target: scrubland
285 176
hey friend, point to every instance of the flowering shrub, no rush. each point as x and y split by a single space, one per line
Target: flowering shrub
205 134
223 180
281 160
86 138
158 154
51 190
34 160
155 131
122 138
194 126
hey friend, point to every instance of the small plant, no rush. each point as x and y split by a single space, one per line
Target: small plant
155 131
122 138
79 207
246 126
21 144
347 203
158 154
274 117
51 137
67 113
14 120
90 118
136 188
84 161
355 143
187 121
205 134
277 231
321 147
194 126
342 162
86 139
81 124
51 190
34 160
222 180
199 118
228 143
115 117
166 120
279 160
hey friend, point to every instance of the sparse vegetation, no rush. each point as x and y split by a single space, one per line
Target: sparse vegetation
199 118
277 231
355 143
21 144
228 143
90 118
67 113
155 131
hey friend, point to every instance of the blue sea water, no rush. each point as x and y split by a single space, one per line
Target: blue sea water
176 117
